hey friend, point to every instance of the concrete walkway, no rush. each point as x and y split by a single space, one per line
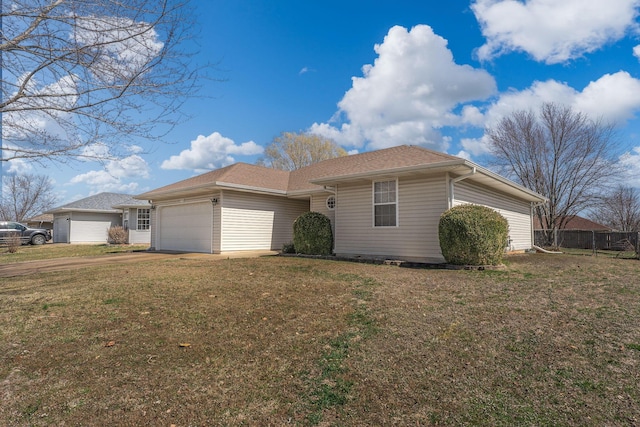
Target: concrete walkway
72 263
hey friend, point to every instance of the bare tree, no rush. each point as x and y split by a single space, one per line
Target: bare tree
559 153
291 151
619 210
79 72
25 196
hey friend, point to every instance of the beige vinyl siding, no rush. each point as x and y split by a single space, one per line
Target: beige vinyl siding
516 212
217 223
154 229
420 203
319 204
254 221
138 236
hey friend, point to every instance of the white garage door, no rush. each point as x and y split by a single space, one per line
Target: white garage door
185 227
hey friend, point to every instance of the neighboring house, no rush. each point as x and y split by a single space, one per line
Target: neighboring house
136 219
384 203
575 232
40 221
88 220
575 222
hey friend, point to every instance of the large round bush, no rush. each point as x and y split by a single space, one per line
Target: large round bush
473 235
312 234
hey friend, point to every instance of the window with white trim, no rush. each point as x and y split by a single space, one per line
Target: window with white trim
331 202
144 219
385 203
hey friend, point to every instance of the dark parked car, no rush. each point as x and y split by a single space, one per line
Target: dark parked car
35 236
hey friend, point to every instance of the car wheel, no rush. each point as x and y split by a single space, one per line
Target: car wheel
38 239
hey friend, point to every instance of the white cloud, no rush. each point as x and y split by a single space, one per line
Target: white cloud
116 175
210 152
17 166
408 94
630 162
636 51
475 146
123 45
43 111
305 70
552 31
614 98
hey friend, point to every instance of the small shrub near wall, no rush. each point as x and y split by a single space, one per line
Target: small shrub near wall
118 235
13 242
473 235
312 234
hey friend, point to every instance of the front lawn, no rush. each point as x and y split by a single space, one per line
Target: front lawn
550 340
60 250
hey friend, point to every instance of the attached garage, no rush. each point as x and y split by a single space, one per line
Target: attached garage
186 227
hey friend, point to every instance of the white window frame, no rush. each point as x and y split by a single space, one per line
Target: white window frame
146 220
374 203
331 206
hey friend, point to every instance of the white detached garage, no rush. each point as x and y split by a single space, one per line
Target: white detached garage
88 220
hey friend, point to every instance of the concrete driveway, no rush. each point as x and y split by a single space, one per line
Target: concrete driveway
61 264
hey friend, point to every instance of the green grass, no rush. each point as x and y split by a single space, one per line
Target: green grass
551 340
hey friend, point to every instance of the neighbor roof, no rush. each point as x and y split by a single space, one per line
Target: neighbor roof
102 202
403 159
575 222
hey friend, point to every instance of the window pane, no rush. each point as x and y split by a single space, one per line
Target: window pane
385 216
144 219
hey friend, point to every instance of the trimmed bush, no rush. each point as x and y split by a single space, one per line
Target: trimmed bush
288 248
312 234
473 235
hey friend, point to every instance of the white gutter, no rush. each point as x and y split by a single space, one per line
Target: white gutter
458 179
331 189
534 205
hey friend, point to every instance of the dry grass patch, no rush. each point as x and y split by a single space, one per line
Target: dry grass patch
551 340
62 250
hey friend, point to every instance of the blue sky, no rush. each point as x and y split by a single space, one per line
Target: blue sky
376 74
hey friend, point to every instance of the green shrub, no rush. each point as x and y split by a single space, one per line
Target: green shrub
288 248
473 235
312 234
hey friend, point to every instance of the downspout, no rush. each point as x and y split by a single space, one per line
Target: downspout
534 205
331 189
458 179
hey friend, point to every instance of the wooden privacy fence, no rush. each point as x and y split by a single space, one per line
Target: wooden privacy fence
595 240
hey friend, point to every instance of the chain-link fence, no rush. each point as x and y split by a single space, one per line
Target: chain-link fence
594 240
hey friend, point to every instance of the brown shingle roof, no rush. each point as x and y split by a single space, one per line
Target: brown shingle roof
576 222
373 161
241 174
400 159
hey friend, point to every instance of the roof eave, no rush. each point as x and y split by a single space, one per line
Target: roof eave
212 186
392 171
63 210
532 195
